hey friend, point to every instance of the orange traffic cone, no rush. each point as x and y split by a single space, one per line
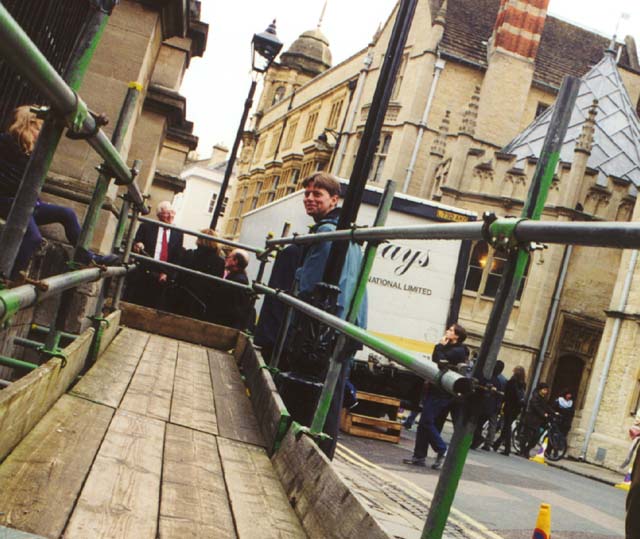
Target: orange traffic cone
626 484
543 524
539 456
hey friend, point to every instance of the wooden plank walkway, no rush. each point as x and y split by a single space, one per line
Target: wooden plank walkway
158 439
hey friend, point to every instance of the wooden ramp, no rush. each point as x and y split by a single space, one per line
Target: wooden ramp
158 439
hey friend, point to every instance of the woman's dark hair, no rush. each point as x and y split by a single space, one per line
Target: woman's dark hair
542 385
460 332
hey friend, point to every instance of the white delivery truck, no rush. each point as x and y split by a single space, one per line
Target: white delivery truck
414 288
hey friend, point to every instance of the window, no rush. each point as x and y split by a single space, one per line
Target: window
225 201
486 267
293 180
311 125
275 182
379 158
541 108
399 76
278 94
334 115
256 194
212 202
260 148
291 133
275 138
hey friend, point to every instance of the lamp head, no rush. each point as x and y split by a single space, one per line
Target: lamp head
266 45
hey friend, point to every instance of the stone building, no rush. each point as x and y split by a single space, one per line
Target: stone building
467 115
146 42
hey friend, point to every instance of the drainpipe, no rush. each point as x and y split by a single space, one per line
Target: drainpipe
609 356
548 327
423 123
352 117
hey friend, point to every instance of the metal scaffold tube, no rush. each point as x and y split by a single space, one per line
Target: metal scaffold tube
503 304
29 62
450 381
590 234
223 241
181 269
13 300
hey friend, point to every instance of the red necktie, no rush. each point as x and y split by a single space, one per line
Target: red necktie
164 249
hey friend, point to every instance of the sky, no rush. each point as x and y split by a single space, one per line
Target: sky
216 85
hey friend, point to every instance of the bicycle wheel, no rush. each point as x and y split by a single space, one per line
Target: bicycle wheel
556 447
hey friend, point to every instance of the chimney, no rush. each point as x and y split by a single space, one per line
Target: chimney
511 54
218 154
518 27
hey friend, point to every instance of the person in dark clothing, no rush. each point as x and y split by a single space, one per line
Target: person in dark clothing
632 504
235 308
197 295
491 402
16 146
514 397
453 352
565 407
148 284
273 311
535 417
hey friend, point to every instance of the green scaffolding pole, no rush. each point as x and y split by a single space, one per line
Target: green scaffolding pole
336 365
503 303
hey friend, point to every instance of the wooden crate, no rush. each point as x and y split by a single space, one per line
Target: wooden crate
372 427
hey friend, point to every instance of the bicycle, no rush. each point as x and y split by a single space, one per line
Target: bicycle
556 440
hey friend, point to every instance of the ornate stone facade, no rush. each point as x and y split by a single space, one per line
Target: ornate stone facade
475 74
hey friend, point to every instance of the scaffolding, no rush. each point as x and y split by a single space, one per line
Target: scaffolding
517 237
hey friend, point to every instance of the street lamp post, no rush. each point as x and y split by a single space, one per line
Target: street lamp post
265 45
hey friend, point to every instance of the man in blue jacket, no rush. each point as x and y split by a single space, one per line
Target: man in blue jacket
321 195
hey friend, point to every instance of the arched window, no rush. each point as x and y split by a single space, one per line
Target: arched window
278 94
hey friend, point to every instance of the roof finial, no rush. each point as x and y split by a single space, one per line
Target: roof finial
324 8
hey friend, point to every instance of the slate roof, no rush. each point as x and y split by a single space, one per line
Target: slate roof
616 143
565 49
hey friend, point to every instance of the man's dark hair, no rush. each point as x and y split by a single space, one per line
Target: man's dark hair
460 332
323 180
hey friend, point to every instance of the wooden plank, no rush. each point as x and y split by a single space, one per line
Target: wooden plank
24 402
110 331
268 407
178 327
194 495
50 464
121 495
107 381
364 432
9 533
257 499
233 408
382 399
192 404
376 422
152 385
323 501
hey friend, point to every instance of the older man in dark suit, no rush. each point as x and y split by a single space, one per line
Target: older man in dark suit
148 284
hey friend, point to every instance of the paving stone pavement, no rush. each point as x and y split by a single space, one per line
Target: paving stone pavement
399 506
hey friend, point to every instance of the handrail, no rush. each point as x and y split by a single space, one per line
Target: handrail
29 62
189 271
215 239
450 381
593 234
15 299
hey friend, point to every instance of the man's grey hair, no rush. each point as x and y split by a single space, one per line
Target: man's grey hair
164 205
